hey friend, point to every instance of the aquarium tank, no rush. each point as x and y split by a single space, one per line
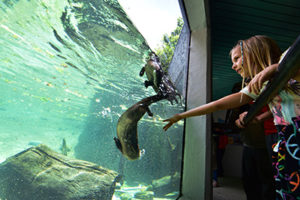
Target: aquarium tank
69 70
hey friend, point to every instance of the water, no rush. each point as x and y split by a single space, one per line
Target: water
68 70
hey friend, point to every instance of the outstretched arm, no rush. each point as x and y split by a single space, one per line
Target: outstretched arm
231 101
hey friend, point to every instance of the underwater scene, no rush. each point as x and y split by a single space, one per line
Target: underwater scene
69 70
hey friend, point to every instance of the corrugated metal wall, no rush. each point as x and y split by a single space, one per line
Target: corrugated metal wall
232 20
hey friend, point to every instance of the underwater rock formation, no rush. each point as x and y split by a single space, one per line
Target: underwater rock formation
166 184
39 173
145 195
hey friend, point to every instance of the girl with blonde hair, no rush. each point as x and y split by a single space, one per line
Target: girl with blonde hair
249 57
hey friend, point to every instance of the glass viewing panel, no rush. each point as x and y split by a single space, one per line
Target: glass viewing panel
69 70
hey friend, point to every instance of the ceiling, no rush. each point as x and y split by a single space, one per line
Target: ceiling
232 20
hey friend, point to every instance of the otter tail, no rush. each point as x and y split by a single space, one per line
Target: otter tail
152 99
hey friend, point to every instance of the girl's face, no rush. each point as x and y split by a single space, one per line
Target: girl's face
297 108
236 58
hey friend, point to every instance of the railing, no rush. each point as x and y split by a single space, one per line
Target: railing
288 67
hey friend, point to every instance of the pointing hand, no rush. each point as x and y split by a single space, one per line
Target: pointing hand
171 121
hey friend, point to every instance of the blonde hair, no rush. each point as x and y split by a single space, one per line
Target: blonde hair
258 52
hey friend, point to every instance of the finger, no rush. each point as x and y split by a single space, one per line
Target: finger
260 84
166 127
239 124
255 89
242 123
254 85
242 115
241 120
250 87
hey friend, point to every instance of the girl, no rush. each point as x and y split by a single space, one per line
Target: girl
249 57
286 153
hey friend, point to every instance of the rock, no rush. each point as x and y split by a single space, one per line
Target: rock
125 196
39 173
166 184
145 195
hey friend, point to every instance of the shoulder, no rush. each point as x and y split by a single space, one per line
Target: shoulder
246 91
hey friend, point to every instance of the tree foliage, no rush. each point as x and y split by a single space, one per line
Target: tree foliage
169 42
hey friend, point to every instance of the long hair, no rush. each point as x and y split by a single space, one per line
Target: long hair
258 52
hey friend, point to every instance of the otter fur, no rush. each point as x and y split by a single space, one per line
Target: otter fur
158 79
127 135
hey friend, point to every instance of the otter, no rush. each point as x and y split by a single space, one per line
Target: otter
154 72
158 79
127 135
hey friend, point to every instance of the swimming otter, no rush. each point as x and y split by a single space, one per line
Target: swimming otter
158 79
127 141
154 72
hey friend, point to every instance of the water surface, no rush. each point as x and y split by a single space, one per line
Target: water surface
68 70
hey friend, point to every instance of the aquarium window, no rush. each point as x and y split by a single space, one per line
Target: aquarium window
71 72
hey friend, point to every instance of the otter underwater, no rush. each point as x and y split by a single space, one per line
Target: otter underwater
127 134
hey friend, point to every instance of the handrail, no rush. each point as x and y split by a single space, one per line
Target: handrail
287 68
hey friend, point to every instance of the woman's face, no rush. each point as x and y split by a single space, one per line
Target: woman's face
236 58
